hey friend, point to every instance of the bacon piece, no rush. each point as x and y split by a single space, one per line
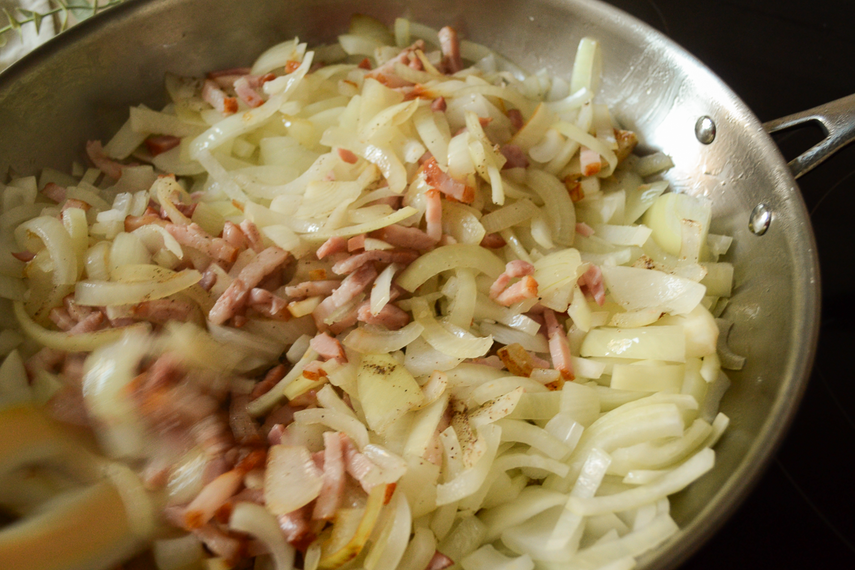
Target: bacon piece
74 203
493 241
273 376
233 235
159 144
347 156
356 243
590 161
269 304
438 104
516 118
525 288
626 141
591 282
335 244
584 229
439 562
390 316
515 156
436 178
356 464
312 288
247 94
253 235
134 222
385 74
55 192
513 269
220 543
404 237
365 64
161 311
433 214
328 347
211 497
559 347
333 488
574 188
101 161
60 317
217 98
194 236
354 262
236 294
449 43
295 526
91 323
25 256
350 288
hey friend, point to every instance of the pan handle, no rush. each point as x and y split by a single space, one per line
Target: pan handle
837 119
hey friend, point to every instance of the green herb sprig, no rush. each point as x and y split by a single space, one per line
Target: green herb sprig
81 9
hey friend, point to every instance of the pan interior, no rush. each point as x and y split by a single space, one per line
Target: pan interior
79 86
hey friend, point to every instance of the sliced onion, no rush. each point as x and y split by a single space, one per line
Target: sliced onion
377 340
256 520
106 293
291 479
450 257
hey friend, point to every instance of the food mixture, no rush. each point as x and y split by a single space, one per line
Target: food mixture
387 303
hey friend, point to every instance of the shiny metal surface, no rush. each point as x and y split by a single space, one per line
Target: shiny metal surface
760 219
79 86
705 130
837 120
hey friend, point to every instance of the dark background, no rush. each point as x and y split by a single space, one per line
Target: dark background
781 57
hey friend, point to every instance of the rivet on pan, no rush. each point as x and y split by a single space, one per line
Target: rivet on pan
705 130
761 217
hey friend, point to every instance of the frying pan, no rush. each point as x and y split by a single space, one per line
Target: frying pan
78 87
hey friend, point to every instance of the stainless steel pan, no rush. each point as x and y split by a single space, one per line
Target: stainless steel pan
78 87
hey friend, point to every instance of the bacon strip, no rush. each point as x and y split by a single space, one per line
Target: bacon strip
333 488
354 262
347 156
436 178
390 316
253 235
217 98
525 288
590 161
493 241
55 192
592 282
584 229
161 311
335 244
247 93
159 144
236 294
433 214
513 269
312 288
269 304
559 347
350 288
101 161
328 347
404 237
515 156
449 43
194 236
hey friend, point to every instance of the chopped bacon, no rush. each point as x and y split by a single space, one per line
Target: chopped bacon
335 244
559 347
61 318
590 160
101 161
328 347
436 178
390 316
90 324
492 361
161 311
247 94
236 294
74 203
404 237
159 144
25 256
433 214
211 497
438 104
354 262
516 118
194 236
334 480
273 376
365 64
253 235
217 98
350 288
584 229
493 241
312 288
515 156
291 66
269 304
449 43
439 562
55 192
356 243
513 269
296 528
591 282
134 222
356 464
347 156
525 288
574 188
233 235
385 74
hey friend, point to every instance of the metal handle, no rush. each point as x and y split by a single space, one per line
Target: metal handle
837 119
